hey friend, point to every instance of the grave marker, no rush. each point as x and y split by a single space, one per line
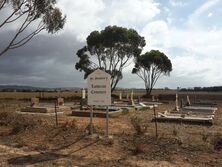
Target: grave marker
188 101
120 96
60 101
34 101
127 96
176 103
83 93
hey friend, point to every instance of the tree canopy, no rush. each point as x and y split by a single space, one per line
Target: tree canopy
110 50
150 66
38 14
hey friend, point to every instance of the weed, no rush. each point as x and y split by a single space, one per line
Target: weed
138 125
125 111
205 137
175 132
217 142
137 145
88 129
108 141
17 121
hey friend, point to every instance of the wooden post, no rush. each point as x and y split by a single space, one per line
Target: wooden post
107 122
181 103
56 113
91 121
154 112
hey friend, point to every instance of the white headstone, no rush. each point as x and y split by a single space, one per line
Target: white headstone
127 96
176 103
99 89
153 98
188 101
120 96
83 93
131 95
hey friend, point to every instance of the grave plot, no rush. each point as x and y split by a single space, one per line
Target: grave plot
98 112
137 104
201 109
188 114
116 109
36 107
185 118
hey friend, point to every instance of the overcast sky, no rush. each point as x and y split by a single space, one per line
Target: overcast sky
189 32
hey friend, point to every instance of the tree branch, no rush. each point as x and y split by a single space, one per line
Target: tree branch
13 39
11 15
26 39
2 3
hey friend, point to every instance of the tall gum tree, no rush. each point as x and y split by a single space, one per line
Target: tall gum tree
32 15
150 67
111 50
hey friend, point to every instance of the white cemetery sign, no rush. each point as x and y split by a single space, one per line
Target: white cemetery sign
99 89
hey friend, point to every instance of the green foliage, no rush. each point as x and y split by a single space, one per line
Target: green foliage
111 50
150 66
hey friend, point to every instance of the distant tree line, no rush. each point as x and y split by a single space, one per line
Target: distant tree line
205 89
27 90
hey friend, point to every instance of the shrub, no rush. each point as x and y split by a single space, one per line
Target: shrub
217 143
18 122
137 145
175 132
138 125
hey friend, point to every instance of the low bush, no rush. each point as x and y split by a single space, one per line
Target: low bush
18 122
138 125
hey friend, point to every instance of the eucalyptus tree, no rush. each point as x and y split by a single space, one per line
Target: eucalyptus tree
30 18
111 50
150 67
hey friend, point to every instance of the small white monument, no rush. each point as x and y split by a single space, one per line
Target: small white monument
120 96
83 93
176 103
131 99
131 95
127 96
188 101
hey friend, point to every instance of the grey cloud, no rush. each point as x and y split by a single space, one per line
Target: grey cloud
47 61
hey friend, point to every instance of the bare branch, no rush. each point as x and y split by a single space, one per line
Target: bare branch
2 3
26 39
12 14
12 20
14 38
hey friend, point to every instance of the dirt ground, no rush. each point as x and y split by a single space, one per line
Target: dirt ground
35 140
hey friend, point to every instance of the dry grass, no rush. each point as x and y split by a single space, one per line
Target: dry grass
133 144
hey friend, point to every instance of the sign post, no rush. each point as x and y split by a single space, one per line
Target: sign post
99 93
91 121
107 122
